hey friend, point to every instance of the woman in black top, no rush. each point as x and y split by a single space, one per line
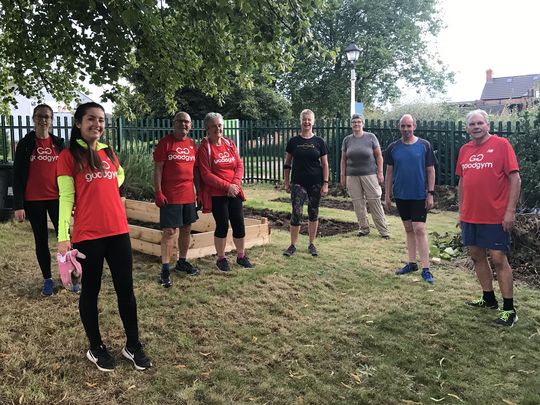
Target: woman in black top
307 159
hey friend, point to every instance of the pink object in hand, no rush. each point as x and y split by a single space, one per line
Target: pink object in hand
70 269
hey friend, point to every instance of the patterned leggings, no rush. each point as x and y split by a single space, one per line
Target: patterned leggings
299 195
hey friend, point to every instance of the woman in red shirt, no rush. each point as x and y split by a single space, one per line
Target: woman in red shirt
35 190
89 175
221 176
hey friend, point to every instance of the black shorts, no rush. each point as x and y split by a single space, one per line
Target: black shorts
177 215
412 210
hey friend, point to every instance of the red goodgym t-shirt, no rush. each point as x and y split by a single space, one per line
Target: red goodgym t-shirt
179 159
41 183
484 171
99 210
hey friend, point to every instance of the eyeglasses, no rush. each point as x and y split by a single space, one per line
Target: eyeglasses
43 117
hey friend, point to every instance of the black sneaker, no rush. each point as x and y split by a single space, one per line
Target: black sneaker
165 280
289 251
244 262
312 250
223 264
101 358
480 303
187 267
363 233
507 318
138 357
385 237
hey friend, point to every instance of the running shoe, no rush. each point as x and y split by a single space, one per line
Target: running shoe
289 251
507 318
244 262
481 303
187 267
408 268
137 356
312 250
101 358
223 264
48 287
427 276
165 280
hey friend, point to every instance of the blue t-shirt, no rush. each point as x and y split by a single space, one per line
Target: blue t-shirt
409 163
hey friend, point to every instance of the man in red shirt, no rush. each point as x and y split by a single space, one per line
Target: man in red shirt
175 175
488 192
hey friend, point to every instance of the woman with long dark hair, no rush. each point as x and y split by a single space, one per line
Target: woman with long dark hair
89 176
35 190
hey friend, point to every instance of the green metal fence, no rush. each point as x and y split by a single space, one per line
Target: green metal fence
262 143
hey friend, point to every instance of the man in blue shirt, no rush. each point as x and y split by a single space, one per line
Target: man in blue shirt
410 179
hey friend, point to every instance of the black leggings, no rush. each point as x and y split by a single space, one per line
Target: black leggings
225 209
117 251
36 212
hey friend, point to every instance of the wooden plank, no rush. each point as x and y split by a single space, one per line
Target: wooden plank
201 244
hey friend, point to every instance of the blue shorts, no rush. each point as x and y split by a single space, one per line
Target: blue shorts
412 210
487 236
177 215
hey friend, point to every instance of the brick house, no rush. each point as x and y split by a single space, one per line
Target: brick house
509 94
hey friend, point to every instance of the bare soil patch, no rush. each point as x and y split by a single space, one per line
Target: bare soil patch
282 220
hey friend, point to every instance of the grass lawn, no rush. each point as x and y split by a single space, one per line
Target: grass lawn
337 329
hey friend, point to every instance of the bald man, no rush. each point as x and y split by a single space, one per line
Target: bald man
410 179
175 177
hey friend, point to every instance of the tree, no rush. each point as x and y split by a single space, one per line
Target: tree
203 44
393 36
259 103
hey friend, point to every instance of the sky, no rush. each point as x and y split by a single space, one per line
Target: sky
501 35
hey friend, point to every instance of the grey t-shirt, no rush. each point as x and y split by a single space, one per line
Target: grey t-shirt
360 158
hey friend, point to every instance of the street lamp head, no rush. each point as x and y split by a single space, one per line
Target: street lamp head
353 53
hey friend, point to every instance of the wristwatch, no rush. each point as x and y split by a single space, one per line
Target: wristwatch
432 192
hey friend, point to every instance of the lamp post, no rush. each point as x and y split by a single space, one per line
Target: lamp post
352 52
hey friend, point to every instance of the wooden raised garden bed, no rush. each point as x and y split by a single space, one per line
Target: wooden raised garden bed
146 240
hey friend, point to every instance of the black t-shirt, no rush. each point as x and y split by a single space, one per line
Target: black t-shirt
306 163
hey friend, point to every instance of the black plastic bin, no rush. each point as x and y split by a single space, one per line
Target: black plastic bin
6 191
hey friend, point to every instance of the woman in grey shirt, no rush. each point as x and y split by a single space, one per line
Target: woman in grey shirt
362 174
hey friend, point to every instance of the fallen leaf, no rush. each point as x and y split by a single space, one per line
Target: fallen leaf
441 361
437 399
346 386
131 387
509 402
21 399
369 321
205 354
512 356
356 377
254 339
91 385
455 396
433 334
180 366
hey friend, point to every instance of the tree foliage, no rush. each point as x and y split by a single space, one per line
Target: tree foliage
527 148
393 36
208 45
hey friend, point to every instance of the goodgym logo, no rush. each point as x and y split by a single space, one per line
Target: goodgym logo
224 157
45 154
476 162
182 154
106 173
476 158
